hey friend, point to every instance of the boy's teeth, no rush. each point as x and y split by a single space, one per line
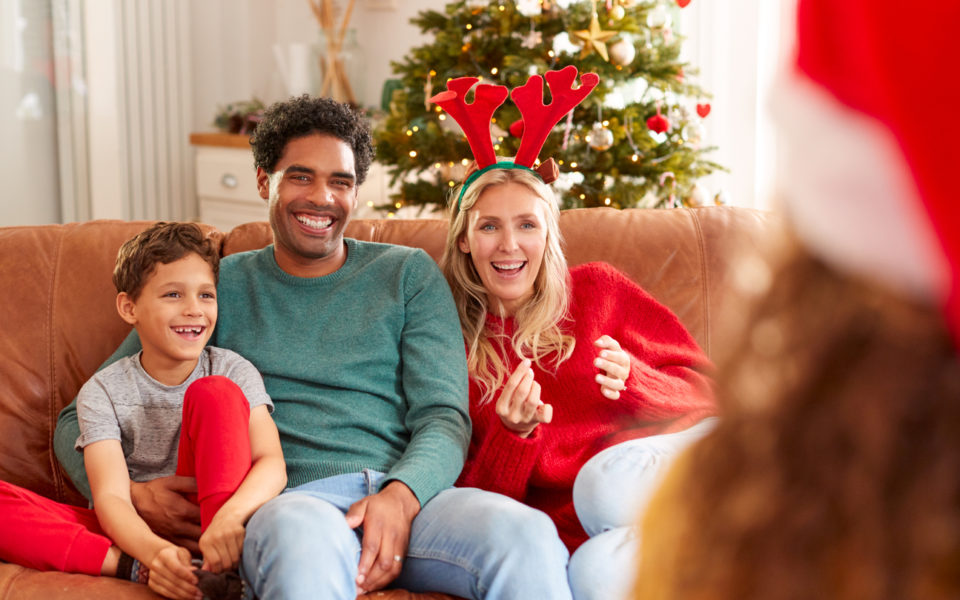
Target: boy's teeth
318 223
188 329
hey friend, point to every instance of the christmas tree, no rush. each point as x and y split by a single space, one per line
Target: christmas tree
635 141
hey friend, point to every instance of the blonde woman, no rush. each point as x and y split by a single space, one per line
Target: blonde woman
571 373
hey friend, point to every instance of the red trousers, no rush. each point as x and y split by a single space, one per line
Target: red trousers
42 534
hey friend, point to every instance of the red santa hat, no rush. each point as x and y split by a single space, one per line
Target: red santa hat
870 116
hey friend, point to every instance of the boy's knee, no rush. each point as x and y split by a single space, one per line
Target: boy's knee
213 385
215 393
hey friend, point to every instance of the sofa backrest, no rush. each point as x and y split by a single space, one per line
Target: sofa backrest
58 318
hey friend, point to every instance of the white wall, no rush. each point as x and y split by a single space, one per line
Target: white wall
738 47
233 46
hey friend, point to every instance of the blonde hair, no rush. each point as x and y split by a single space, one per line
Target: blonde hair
540 334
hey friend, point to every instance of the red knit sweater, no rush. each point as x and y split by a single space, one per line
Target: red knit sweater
666 392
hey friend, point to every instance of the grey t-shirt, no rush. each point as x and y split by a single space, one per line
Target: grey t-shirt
122 402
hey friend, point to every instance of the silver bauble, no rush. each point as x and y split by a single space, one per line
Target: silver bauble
600 138
622 53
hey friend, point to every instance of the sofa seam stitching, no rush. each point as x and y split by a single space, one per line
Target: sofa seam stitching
51 397
703 280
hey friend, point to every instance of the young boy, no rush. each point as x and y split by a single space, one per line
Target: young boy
130 422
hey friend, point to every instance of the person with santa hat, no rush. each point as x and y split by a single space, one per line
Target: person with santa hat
835 469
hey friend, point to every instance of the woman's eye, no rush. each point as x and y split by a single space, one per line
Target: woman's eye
487 227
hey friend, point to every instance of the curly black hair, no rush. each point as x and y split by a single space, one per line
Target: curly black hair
305 115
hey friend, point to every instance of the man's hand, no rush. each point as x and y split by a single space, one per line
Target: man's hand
386 518
163 505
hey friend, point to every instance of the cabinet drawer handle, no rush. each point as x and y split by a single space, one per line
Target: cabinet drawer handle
229 180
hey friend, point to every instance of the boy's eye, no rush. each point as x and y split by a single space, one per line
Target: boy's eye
209 295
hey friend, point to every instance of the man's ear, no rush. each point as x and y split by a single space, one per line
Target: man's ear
125 306
263 183
463 244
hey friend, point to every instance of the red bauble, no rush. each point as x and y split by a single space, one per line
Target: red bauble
658 123
516 128
683 3
703 110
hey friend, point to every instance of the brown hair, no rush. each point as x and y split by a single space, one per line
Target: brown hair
161 243
835 470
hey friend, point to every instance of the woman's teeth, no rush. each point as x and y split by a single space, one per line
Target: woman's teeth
509 266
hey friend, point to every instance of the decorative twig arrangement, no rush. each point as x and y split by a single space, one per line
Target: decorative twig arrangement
336 84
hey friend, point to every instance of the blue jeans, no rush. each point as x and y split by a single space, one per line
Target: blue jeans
465 542
609 494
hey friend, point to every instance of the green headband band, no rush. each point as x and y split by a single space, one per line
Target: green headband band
503 164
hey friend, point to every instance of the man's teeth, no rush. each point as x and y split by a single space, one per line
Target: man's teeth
510 266
197 330
316 223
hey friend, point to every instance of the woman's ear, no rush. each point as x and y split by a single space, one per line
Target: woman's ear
125 306
463 244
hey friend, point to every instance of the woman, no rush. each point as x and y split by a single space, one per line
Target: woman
567 383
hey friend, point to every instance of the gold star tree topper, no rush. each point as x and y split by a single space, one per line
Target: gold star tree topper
594 38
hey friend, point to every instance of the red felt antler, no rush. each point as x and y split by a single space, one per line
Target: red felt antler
473 118
539 119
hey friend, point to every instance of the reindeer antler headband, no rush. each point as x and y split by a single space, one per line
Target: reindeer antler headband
538 118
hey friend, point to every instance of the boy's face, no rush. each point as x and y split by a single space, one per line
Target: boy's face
175 312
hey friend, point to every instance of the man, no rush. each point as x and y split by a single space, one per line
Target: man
360 348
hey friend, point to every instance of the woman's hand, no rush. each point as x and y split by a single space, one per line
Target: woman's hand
171 574
519 406
615 364
222 542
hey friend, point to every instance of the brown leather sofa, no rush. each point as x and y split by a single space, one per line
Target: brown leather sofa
58 323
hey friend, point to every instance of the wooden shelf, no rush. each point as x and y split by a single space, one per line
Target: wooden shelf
224 140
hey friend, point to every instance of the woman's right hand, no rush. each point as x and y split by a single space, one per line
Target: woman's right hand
519 406
171 574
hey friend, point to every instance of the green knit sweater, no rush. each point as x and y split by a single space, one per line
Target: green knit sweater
365 365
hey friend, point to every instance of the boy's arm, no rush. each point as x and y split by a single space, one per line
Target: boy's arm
68 427
222 542
170 571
